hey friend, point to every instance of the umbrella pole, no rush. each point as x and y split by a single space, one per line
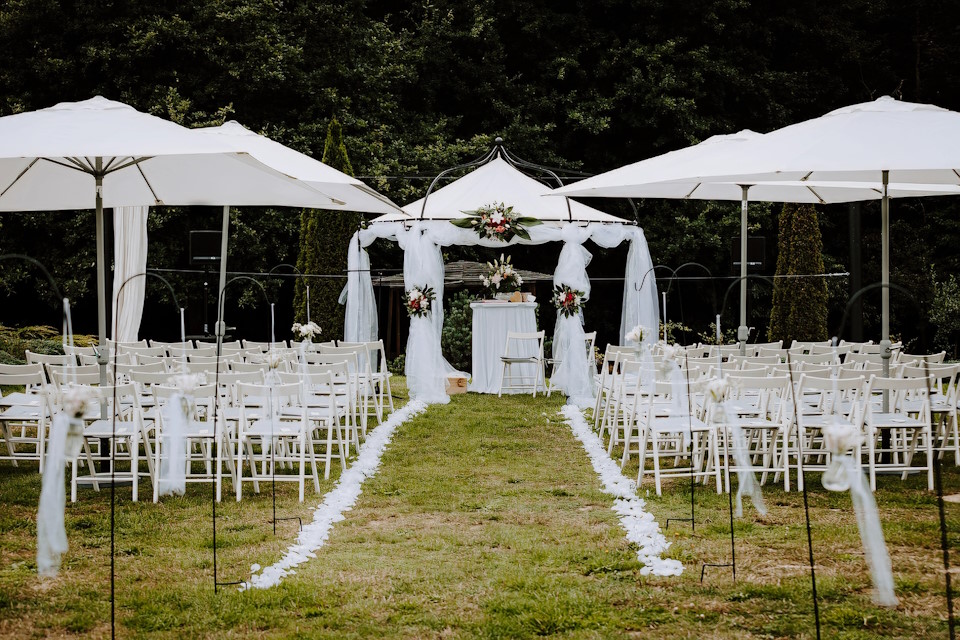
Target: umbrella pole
743 332
221 328
101 276
885 289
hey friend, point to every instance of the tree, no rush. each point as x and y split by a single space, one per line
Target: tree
799 304
324 236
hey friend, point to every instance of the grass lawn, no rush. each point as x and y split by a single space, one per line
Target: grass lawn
484 520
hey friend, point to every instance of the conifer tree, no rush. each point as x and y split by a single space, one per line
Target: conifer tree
799 304
324 235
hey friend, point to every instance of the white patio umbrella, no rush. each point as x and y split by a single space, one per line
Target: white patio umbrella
883 143
351 194
96 153
701 172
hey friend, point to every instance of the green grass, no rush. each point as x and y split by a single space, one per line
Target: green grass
485 520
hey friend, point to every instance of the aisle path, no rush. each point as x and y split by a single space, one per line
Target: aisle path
478 526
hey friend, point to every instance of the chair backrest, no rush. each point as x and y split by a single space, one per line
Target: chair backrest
145 379
30 376
779 352
262 346
932 358
148 359
813 358
589 340
80 351
876 348
524 344
246 367
44 358
754 360
188 344
61 375
129 369
754 348
724 350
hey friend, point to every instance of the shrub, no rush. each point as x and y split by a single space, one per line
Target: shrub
457 336
945 312
799 309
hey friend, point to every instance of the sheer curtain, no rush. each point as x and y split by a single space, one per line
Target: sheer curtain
572 375
130 259
425 367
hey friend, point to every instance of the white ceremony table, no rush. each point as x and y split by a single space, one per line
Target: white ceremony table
491 322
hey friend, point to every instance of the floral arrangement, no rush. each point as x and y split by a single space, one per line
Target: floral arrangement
636 334
497 222
418 301
306 331
502 277
567 300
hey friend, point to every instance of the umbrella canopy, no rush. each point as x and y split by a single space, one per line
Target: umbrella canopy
819 161
499 181
49 160
355 195
81 155
696 173
883 142
915 143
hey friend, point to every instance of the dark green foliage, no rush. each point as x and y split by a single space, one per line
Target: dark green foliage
38 339
324 236
422 86
799 304
457 337
945 313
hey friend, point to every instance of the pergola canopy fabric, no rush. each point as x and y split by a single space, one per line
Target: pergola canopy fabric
494 182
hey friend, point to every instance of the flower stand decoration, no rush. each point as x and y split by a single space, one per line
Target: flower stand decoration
418 301
497 222
568 301
306 332
571 372
502 278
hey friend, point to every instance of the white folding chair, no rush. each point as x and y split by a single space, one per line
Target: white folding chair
121 433
908 422
205 446
523 351
25 415
274 418
671 427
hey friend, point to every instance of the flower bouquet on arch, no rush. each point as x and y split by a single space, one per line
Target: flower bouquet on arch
502 277
497 222
418 301
568 301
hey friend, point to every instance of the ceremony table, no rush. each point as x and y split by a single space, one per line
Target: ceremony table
491 322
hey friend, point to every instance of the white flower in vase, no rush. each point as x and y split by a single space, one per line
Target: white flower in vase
636 334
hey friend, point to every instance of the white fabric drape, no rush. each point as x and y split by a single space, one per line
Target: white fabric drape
569 342
177 414
51 531
360 320
130 259
425 367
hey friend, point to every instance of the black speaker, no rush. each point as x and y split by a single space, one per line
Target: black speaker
205 247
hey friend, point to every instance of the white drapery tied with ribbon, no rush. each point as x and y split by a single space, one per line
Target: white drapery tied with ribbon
844 473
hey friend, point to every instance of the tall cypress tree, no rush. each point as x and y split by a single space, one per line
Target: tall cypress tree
799 304
324 235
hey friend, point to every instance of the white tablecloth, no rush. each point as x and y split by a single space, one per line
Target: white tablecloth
491 322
